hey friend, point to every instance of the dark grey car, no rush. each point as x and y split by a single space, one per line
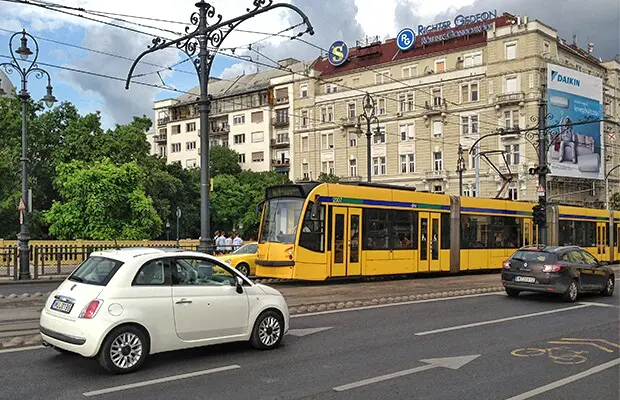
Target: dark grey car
565 270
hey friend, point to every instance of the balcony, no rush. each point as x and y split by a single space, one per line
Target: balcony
220 129
160 138
279 162
356 178
434 109
348 122
280 122
436 174
511 133
163 121
509 98
282 141
281 100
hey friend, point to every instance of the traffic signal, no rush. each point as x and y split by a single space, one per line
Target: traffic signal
539 170
540 214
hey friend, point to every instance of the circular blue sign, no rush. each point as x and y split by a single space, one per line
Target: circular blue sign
338 53
405 39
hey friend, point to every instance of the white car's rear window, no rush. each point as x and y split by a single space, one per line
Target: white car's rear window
96 271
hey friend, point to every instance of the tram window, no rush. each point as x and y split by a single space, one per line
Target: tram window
376 230
474 231
404 236
313 231
445 231
577 233
481 231
505 233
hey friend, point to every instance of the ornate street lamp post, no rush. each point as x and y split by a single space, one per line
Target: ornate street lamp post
207 38
368 105
24 68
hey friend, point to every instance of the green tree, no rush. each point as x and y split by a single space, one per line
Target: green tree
223 161
329 178
102 201
614 201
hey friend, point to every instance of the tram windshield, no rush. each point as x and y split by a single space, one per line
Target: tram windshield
280 220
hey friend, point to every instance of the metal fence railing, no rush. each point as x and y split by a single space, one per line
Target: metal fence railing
8 261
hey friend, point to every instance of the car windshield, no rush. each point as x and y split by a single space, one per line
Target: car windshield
246 249
532 256
96 271
280 220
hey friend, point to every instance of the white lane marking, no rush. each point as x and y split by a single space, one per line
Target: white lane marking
599 304
307 331
160 380
566 381
402 303
22 349
496 321
447 362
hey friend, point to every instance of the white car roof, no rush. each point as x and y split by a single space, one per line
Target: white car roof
129 253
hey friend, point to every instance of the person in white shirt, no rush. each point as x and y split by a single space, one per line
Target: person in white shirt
215 239
221 242
237 241
228 242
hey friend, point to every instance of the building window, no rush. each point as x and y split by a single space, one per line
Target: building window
327 167
331 88
190 127
258 156
239 119
437 97
305 171
472 60
304 118
469 92
240 138
382 77
437 189
407 163
511 85
382 109
327 141
282 115
379 167
190 146
410 72
513 193
511 119
163 131
405 102
511 50
512 154
305 143
469 191
257 117
258 137
330 114
176 129
324 114
469 125
407 132
440 66
438 160
352 112
379 137
176 148
242 158
303 90
472 160
352 140
437 128
190 163
353 167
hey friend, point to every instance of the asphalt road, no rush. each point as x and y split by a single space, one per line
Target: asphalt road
372 353
7 289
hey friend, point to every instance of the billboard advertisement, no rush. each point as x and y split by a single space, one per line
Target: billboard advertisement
575 151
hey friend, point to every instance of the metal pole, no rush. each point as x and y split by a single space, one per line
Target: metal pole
178 218
368 151
542 157
24 236
460 164
476 164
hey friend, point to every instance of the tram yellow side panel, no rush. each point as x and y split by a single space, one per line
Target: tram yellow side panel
403 262
464 265
315 267
377 262
445 260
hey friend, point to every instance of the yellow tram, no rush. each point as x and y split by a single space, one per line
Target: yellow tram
318 231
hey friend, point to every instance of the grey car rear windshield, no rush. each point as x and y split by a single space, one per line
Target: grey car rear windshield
533 256
96 271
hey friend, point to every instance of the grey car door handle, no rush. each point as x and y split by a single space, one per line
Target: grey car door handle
184 301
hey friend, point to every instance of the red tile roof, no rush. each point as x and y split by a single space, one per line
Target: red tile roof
381 53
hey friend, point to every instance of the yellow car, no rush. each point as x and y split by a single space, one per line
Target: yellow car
243 259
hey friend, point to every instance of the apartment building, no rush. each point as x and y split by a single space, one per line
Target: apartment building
448 91
249 114
6 87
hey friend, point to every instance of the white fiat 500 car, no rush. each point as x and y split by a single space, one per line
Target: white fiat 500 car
122 305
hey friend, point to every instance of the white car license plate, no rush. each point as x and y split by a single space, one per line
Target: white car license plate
62 306
526 279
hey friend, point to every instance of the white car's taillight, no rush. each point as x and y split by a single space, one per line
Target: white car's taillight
91 309
551 268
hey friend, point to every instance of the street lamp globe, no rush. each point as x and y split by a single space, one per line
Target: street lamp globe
23 51
368 107
49 98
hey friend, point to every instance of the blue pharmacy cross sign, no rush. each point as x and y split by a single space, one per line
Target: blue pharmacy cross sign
405 39
338 53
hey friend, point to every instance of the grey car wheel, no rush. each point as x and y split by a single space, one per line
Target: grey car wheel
244 269
572 292
609 287
124 350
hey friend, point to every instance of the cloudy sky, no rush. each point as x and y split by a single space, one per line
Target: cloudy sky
111 49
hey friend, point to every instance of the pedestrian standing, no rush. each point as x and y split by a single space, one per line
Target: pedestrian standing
228 242
237 241
215 239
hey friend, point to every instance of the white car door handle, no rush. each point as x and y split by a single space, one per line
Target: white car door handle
184 301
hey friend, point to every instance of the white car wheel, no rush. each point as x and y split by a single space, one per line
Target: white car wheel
268 331
124 350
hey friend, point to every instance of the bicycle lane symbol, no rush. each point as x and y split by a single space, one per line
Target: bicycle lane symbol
566 355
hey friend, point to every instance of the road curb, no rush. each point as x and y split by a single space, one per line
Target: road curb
310 308
20 341
14 296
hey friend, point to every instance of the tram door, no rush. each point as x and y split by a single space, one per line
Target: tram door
429 242
346 242
601 240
